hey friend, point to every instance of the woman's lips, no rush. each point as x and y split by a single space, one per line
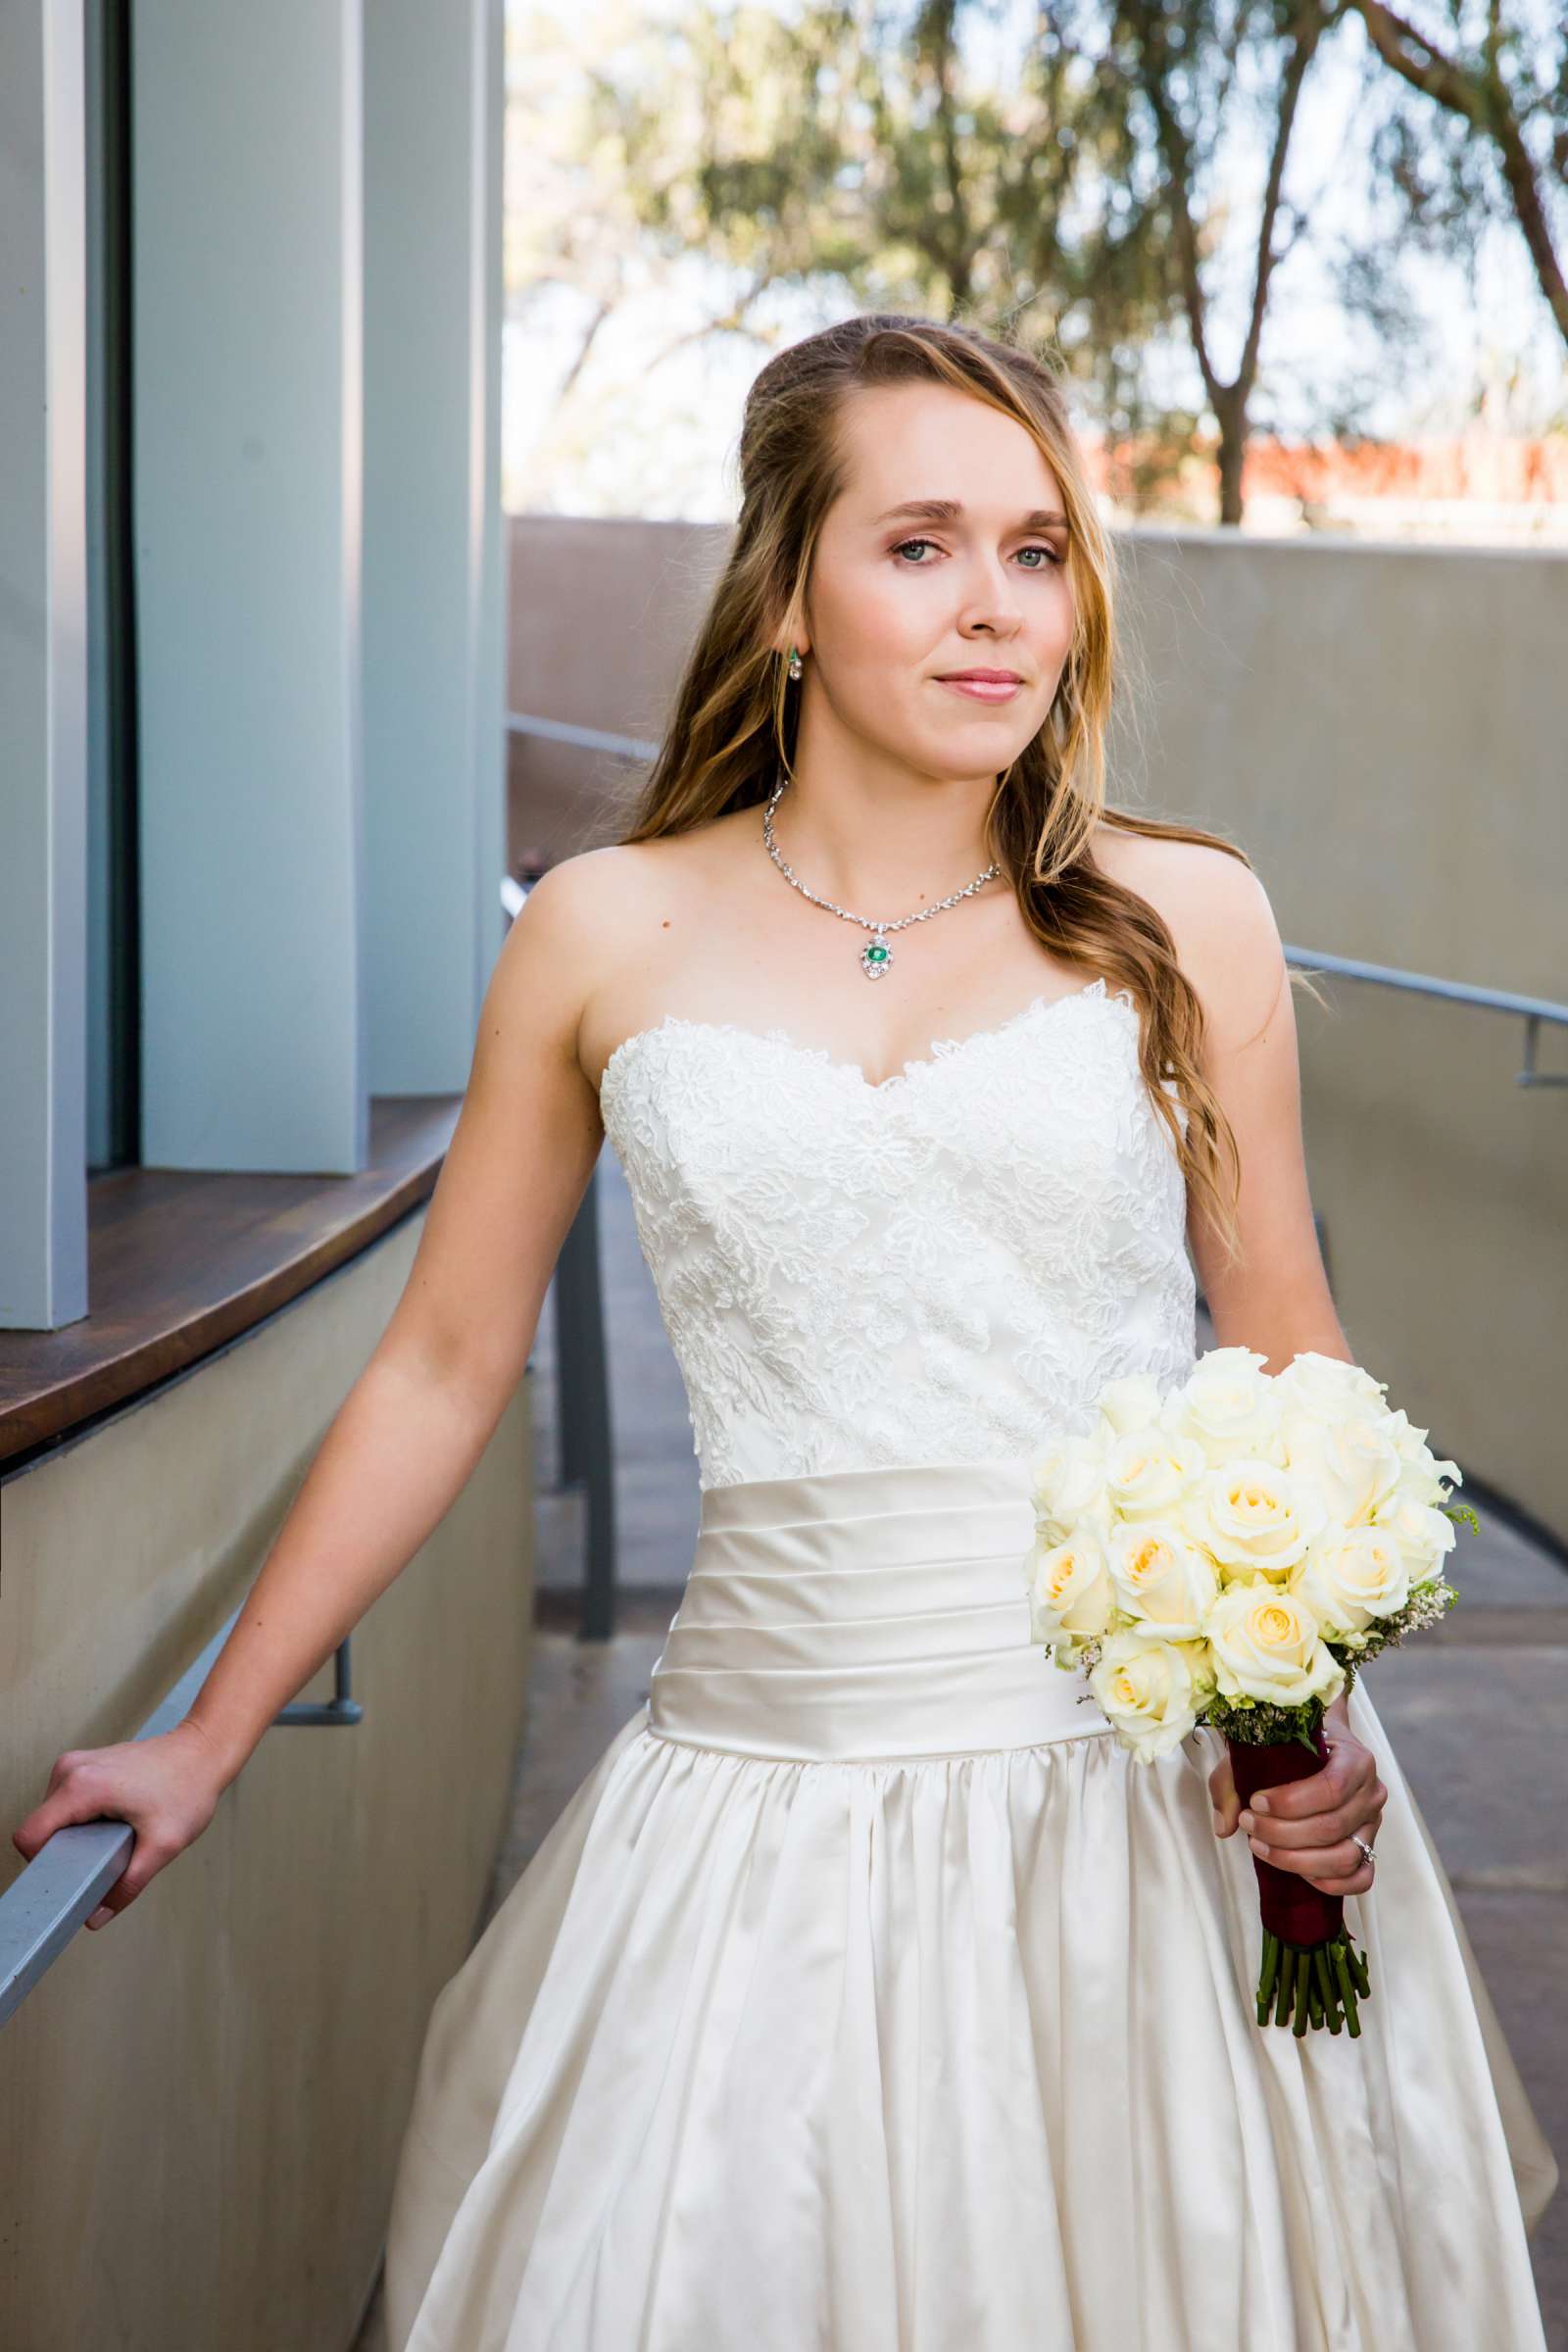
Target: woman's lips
985 690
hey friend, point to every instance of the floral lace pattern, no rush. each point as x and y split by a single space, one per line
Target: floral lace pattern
943 1268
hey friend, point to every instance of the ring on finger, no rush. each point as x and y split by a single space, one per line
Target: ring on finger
1368 1856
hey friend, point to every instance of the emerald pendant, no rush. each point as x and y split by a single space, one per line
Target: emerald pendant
876 956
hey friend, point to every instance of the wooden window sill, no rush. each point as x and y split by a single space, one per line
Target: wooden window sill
181 1262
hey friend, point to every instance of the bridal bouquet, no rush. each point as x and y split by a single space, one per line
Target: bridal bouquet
1229 1553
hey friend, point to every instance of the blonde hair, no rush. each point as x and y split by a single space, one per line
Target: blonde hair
733 719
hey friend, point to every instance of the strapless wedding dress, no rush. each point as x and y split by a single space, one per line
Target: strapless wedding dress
868 1996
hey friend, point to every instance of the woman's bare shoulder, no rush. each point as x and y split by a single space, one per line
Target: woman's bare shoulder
1222 925
602 917
622 880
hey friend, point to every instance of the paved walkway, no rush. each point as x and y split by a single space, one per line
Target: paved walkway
1489 1766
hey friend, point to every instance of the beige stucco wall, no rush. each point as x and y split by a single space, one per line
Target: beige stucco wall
1385 731
203 2100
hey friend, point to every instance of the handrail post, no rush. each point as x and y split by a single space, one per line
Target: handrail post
587 1443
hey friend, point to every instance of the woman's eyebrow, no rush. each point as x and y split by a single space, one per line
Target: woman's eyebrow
948 509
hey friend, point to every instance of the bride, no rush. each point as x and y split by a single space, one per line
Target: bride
868 1996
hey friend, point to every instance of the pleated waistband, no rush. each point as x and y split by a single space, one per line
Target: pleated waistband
864 1615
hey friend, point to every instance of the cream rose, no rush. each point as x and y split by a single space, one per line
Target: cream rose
1069 1488
1422 1532
1352 1575
1227 1404
1163 1578
1325 1388
1256 1519
1422 1477
1352 1463
1146 1691
1150 1472
1265 1644
1069 1591
1128 1403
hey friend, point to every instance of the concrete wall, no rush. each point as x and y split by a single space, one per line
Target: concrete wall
204 2100
1385 731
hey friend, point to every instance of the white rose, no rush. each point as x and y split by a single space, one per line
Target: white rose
1150 1472
1422 1532
1227 1404
1069 1591
1161 1576
1128 1403
1352 1463
1069 1487
1265 1644
1325 1388
1350 1576
1255 1518
1148 1693
1422 1477
1408 1441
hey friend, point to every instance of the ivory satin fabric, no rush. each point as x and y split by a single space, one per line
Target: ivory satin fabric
868 1996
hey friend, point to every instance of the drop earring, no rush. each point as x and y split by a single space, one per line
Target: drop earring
797 667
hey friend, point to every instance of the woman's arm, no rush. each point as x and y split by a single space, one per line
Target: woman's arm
417 1420
1274 1298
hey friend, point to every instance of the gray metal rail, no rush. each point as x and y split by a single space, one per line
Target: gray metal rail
72 1871
1531 1010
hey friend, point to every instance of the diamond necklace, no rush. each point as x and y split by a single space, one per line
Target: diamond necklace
876 956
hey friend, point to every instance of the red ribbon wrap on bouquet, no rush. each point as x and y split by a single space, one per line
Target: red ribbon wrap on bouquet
1294 1910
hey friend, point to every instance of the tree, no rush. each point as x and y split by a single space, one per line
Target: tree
1089 188
1503 89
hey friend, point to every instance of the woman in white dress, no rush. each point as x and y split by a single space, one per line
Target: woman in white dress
868 1996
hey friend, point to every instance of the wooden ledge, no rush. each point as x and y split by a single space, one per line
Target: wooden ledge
180 1262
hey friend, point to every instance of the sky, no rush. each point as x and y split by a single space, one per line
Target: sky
657 437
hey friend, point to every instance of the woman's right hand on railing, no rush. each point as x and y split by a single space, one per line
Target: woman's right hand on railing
167 1787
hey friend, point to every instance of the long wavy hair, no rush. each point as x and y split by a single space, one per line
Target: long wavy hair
734 715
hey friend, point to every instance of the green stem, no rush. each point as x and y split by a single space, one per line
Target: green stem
1325 1990
1346 1990
1358 1969
1282 2002
1265 1981
1302 1975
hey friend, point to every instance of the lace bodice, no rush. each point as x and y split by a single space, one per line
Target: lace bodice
940 1268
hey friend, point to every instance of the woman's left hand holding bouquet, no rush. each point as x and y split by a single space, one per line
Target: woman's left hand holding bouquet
1306 1826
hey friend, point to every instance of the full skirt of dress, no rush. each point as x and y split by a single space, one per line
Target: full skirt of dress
868 1996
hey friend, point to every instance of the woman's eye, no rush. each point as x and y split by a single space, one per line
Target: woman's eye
1049 553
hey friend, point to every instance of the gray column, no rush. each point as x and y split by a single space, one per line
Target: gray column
433 577
43 674
248 455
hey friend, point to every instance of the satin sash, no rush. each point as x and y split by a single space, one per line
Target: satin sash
860 1615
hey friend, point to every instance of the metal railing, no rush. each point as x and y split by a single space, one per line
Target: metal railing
1531 1010
67 1879
583 739
71 1871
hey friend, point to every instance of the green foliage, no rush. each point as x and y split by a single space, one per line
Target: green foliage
1261 1724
